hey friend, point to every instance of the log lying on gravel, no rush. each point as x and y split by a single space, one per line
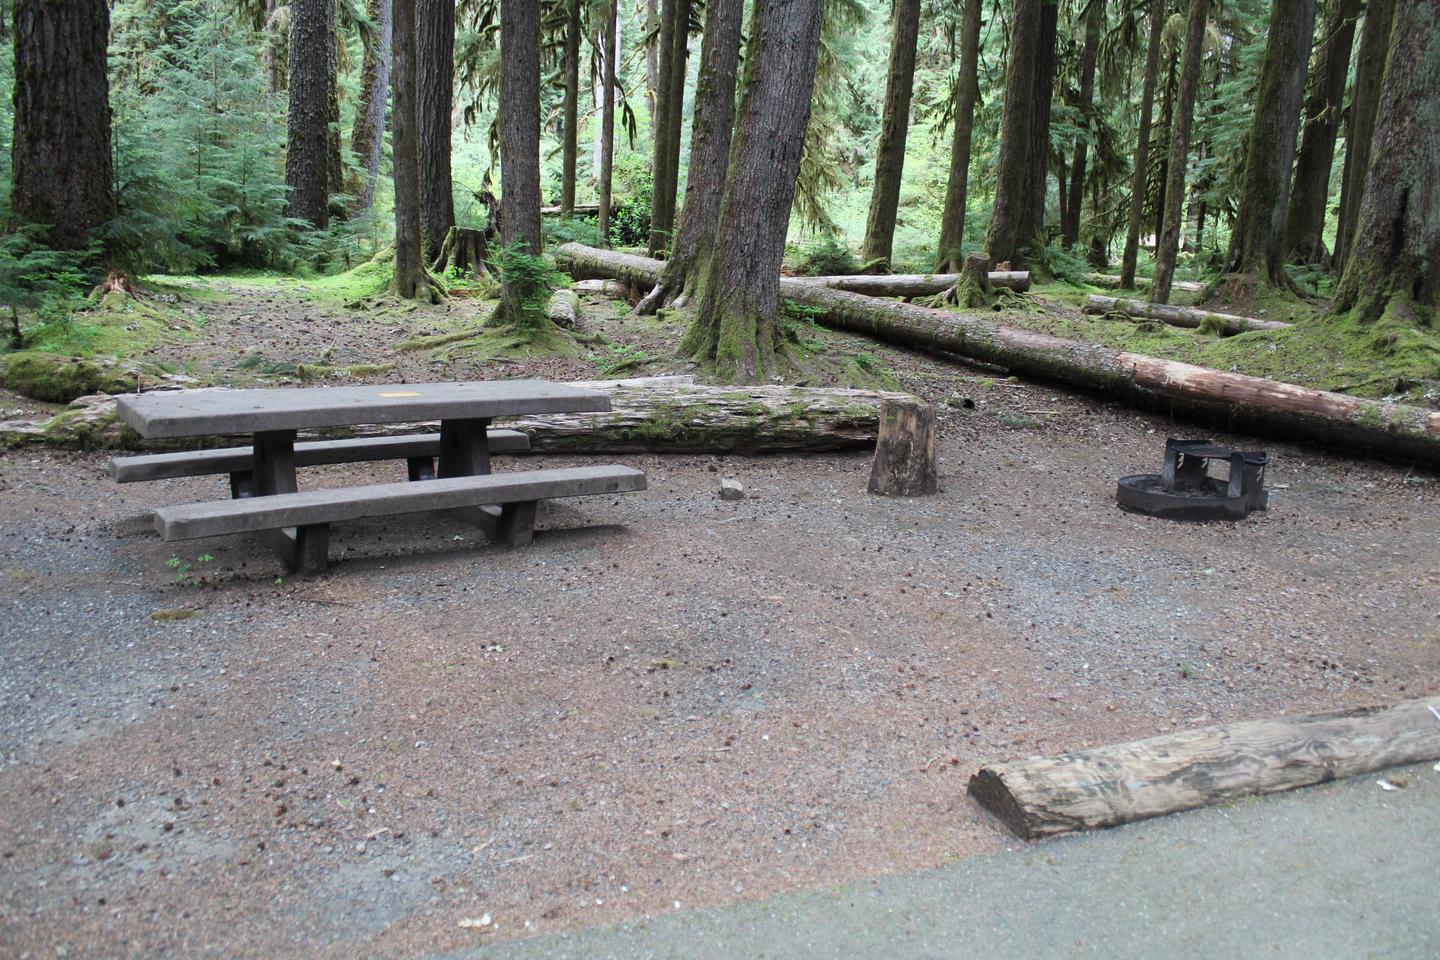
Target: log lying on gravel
676 415
1191 317
649 414
607 288
1111 280
1343 423
1111 785
915 284
1227 324
564 308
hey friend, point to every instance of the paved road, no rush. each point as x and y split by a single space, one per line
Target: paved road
1345 870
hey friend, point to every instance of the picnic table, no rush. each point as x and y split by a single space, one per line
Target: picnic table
265 495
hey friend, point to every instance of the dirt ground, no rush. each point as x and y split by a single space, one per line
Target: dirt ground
665 701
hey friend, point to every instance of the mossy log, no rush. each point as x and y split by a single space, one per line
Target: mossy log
1110 785
1346 424
1226 324
649 414
916 284
1111 280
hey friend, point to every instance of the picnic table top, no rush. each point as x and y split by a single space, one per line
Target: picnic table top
189 413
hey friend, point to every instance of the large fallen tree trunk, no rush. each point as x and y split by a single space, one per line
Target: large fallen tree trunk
915 284
1116 784
1342 422
1226 324
648 414
1111 280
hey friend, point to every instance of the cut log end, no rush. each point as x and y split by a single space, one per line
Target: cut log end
988 789
905 464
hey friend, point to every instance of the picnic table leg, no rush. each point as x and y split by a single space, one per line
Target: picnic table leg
272 472
465 452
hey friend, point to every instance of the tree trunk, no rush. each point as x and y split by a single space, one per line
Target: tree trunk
967 95
1341 422
1167 125
367 138
1309 198
1007 238
652 64
435 79
1224 324
1124 782
519 139
570 111
607 116
62 170
737 322
312 61
1257 243
1034 233
918 284
1169 243
1139 176
1089 57
410 277
894 122
674 48
334 149
1360 125
1394 265
710 138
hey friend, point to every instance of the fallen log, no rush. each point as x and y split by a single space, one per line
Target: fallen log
1111 280
649 414
608 288
1117 784
563 308
1226 324
1341 422
915 284
580 210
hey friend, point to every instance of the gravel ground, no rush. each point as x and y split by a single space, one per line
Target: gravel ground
666 701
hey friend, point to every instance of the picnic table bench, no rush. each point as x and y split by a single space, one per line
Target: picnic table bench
265 497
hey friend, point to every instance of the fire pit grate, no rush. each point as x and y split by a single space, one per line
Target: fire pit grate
1184 490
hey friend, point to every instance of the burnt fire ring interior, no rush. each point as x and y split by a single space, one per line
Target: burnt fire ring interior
1185 490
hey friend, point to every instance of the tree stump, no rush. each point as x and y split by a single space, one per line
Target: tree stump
904 464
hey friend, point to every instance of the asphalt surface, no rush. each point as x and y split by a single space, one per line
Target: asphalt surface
1343 870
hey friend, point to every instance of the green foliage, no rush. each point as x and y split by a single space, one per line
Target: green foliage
825 256
43 282
630 220
557 230
198 142
1062 264
526 284
620 358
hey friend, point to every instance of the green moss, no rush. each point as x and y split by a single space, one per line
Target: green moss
55 379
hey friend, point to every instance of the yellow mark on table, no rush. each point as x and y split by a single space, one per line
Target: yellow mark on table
400 393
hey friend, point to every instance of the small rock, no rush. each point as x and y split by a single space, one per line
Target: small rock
731 489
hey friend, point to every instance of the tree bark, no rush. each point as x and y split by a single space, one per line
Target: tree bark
607 117
652 64
570 111
674 48
1343 423
736 324
1007 239
710 138
1258 241
1138 177
950 256
519 142
307 155
1121 783
61 166
917 284
1034 233
1309 198
435 79
367 138
1394 265
334 149
1360 125
1169 243
894 122
905 462
1225 324
1089 57
410 276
